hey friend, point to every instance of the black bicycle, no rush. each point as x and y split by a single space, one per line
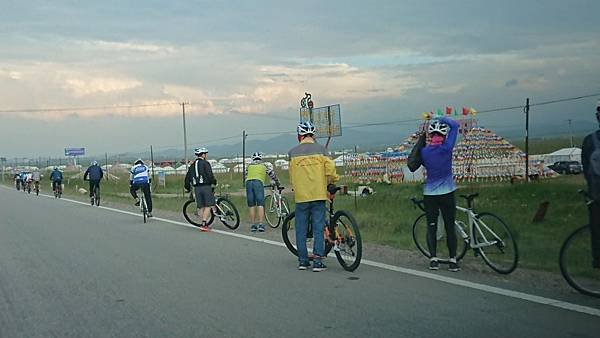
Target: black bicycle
95 199
341 235
576 260
224 210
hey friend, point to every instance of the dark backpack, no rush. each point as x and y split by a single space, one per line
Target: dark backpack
415 160
595 156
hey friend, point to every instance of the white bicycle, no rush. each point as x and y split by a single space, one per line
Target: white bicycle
277 206
485 233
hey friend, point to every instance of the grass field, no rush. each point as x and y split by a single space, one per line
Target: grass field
387 216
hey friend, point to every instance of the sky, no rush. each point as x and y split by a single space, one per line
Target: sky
245 65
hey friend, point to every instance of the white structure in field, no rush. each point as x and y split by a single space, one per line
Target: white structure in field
565 154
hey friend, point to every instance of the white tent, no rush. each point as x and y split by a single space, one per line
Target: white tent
565 154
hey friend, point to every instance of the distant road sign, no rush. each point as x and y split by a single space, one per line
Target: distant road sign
74 151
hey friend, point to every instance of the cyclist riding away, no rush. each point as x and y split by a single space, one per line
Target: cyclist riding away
140 179
256 175
17 178
439 187
590 158
56 177
36 176
201 177
94 174
311 170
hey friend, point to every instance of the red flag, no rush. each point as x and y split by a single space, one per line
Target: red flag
448 110
466 111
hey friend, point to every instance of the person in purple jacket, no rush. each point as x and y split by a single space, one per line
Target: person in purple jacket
440 187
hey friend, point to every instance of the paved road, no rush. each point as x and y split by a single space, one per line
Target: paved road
73 270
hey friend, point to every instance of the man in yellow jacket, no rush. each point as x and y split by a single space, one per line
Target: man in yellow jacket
311 170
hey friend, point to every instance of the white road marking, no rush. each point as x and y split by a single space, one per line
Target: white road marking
454 281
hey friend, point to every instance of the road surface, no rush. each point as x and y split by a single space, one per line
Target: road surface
68 269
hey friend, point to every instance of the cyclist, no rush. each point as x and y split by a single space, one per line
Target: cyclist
590 158
256 175
17 178
439 187
201 177
93 174
56 177
36 176
26 180
311 170
140 179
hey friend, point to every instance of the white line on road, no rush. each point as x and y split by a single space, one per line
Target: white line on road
454 281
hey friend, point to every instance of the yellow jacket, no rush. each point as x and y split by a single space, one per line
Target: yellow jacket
310 171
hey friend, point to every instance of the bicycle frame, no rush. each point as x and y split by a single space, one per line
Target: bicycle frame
474 225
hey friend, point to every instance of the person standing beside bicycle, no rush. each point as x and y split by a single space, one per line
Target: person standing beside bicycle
440 186
590 158
140 179
94 174
56 177
311 171
201 177
256 175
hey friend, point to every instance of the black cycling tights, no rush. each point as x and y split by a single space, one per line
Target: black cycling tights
447 205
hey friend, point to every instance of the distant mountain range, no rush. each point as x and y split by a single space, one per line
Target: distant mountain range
365 140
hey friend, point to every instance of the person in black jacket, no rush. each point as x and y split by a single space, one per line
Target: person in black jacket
201 177
593 181
94 174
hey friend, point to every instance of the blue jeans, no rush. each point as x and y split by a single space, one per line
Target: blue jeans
255 193
315 211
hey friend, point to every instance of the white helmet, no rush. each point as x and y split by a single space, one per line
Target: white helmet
257 156
305 128
438 127
94 163
138 161
200 151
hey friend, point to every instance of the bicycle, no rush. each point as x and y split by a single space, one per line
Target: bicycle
57 187
277 206
28 187
143 205
36 187
224 210
341 235
95 199
575 259
485 233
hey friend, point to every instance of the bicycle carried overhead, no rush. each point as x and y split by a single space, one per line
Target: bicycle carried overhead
341 234
485 233
576 260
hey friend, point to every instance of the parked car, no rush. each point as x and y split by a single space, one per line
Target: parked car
567 167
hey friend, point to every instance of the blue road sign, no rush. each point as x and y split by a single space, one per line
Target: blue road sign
74 151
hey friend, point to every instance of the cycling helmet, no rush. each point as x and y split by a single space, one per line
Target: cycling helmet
438 127
305 128
138 161
55 168
200 151
257 156
94 162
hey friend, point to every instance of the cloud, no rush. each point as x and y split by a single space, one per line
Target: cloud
114 46
511 83
83 85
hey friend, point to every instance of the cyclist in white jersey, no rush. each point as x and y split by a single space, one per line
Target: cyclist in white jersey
140 179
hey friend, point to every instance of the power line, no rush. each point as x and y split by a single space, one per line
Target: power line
45 110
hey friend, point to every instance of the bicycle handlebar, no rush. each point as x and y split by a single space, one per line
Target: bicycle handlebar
418 203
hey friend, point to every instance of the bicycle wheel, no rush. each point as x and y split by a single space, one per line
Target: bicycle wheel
190 211
144 210
288 233
229 214
576 263
349 242
271 215
420 238
497 245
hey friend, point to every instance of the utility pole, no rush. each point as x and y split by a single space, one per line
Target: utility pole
527 141
244 156
185 152
570 132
